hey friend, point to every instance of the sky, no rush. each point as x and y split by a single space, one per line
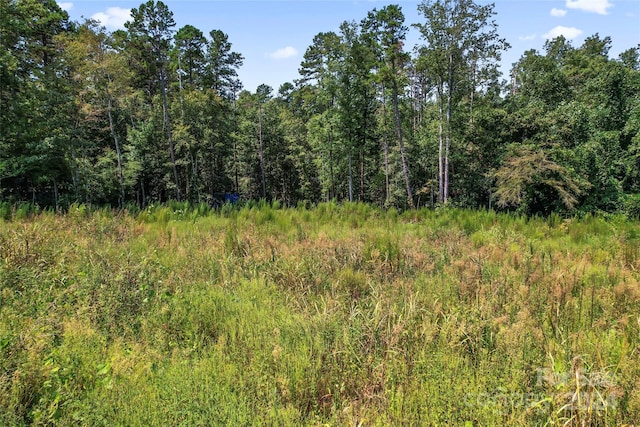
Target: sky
273 35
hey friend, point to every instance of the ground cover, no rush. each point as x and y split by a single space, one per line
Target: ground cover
338 314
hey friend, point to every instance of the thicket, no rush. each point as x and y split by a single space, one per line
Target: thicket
339 314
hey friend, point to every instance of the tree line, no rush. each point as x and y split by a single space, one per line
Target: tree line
153 113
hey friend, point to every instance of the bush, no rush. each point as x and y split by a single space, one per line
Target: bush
5 211
632 206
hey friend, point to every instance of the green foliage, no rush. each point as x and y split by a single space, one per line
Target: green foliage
145 115
575 104
632 206
527 176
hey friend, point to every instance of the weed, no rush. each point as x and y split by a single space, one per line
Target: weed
340 314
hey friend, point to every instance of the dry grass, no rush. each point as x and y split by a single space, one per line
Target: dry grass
339 314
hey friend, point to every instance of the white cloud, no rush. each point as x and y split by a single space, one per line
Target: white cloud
568 32
596 6
113 18
283 53
528 37
558 13
66 6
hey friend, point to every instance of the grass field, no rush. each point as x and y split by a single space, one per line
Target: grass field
335 315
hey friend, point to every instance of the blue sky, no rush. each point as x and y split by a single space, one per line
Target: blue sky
273 35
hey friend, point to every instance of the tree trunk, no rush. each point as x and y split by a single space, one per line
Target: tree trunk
350 180
235 144
261 155
214 167
331 177
235 165
440 145
197 180
448 130
190 177
55 193
361 176
472 94
325 188
387 197
180 88
167 122
74 162
385 147
405 167
114 135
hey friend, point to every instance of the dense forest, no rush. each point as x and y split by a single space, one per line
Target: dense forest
154 113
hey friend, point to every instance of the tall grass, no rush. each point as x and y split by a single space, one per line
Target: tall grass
338 314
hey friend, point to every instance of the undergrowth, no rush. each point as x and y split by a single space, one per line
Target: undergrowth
338 314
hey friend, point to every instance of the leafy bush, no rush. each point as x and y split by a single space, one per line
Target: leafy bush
632 206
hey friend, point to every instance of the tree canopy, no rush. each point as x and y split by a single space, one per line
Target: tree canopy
153 113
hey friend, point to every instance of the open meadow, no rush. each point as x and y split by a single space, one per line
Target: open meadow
340 314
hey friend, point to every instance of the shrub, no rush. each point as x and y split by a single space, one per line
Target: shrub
632 206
